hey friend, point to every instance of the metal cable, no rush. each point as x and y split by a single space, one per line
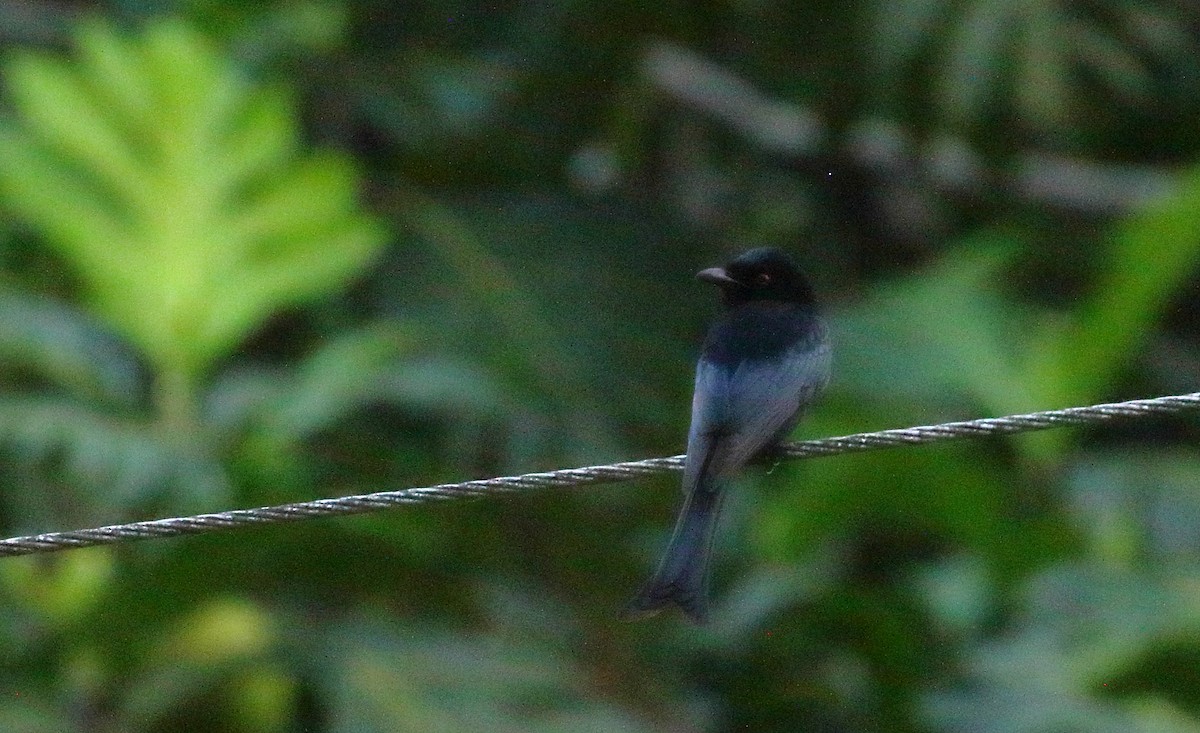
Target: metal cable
202 523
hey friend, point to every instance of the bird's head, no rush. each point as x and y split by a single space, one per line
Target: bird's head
764 273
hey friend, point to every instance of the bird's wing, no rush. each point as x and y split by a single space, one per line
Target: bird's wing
738 411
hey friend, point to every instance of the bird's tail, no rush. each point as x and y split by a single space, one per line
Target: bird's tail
682 576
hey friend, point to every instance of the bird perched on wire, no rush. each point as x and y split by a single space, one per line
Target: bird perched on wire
765 358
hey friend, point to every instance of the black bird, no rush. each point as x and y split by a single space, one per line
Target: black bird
764 360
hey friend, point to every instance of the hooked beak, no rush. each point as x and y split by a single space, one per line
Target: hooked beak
717 276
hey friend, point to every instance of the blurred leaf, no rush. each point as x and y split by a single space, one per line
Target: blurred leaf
903 28
24 708
192 216
225 629
550 317
264 699
1117 64
378 364
263 30
1134 505
1043 88
213 644
62 345
430 102
975 58
763 594
383 679
64 591
1152 254
111 463
984 64
1083 627
341 376
486 277
943 332
958 592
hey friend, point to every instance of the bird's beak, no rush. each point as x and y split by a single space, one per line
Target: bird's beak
717 276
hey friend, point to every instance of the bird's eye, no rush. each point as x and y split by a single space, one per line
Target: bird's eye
762 278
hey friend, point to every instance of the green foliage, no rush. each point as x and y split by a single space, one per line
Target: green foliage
178 194
1078 655
460 682
1150 257
177 191
196 314
1040 63
64 346
110 463
975 350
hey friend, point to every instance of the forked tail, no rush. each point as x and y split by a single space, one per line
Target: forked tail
682 576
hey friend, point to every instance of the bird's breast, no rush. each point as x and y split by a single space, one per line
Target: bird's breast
762 331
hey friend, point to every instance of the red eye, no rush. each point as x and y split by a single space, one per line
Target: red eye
762 278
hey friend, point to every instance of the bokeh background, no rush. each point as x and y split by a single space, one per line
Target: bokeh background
262 252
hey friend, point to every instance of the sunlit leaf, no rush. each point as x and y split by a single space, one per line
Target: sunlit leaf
177 190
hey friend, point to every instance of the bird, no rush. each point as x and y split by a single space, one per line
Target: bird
766 357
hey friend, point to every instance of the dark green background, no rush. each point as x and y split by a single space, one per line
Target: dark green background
488 218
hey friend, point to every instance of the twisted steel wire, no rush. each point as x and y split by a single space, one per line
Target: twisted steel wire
363 503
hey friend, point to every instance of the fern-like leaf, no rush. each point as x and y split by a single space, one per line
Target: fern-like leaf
177 190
